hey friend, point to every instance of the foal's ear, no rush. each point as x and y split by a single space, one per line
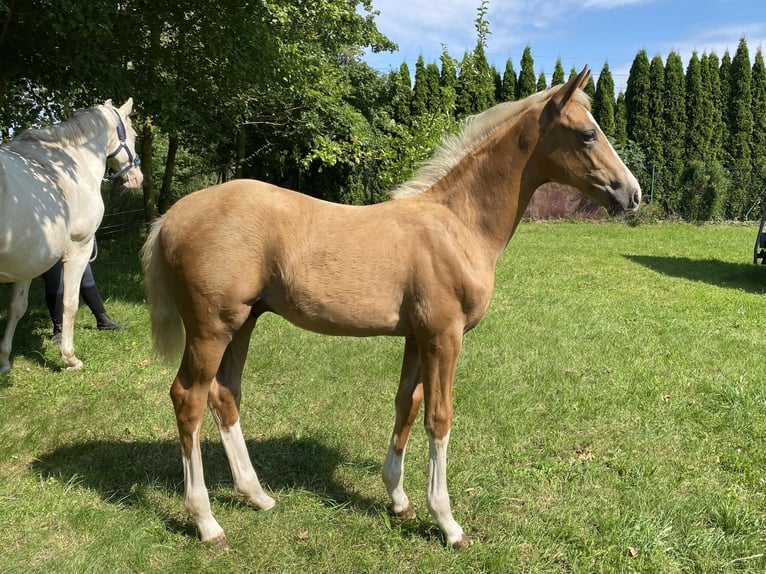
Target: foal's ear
127 107
566 92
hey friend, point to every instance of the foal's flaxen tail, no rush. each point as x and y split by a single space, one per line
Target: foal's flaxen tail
167 327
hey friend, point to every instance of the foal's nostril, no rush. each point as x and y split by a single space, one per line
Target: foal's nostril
636 197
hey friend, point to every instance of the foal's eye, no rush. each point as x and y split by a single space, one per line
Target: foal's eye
589 136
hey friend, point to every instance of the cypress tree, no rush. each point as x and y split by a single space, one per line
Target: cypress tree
653 146
741 130
526 84
419 104
542 83
590 88
637 117
621 120
711 83
698 125
466 87
485 80
558 74
724 79
759 123
508 91
400 100
433 93
603 102
674 116
448 82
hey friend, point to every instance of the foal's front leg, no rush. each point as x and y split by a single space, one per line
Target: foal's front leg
408 400
438 355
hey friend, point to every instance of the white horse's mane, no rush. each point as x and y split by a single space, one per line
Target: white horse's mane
473 131
77 130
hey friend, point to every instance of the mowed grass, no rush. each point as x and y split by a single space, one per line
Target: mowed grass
610 416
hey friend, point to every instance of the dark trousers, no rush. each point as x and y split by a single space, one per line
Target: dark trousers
54 294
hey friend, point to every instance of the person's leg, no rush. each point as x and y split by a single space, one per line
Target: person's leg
54 296
92 298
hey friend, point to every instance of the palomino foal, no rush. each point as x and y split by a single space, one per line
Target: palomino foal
420 266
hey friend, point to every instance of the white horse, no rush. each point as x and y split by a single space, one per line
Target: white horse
51 205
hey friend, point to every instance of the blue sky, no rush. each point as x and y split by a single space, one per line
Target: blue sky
579 32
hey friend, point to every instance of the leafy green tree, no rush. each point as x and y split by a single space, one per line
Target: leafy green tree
703 191
603 102
526 84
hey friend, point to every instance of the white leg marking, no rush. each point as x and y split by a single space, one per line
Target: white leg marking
245 479
393 478
196 499
438 497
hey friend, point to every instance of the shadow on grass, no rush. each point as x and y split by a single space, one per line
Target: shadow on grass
745 276
122 472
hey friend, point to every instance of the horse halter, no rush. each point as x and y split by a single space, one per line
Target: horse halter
133 159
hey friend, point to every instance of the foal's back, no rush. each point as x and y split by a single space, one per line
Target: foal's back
335 269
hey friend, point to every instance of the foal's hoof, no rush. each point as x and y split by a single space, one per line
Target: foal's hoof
406 514
219 543
461 543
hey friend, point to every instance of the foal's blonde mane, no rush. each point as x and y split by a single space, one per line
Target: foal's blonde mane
77 130
473 131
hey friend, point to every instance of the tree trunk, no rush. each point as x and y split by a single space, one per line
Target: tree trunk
147 153
167 178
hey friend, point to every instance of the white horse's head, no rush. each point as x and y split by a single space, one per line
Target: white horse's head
123 161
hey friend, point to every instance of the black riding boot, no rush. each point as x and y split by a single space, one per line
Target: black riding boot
105 323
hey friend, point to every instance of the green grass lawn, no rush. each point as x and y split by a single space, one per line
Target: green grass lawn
610 416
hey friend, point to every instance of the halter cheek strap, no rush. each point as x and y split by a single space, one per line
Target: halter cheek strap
133 159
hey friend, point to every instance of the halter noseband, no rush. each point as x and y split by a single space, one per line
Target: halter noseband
133 159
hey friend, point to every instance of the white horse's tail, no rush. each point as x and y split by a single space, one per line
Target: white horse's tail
167 327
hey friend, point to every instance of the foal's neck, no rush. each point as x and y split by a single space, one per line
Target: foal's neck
490 188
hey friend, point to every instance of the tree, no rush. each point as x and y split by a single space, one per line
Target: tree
541 82
558 74
420 91
697 134
603 102
526 84
448 82
654 143
714 105
508 90
638 122
620 120
759 122
741 131
674 126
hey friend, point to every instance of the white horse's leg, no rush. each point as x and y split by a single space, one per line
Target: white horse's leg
75 260
17 306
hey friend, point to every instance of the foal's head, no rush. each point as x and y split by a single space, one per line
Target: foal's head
574 151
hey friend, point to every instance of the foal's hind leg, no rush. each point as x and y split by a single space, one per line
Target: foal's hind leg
408 399
17 306
224 401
